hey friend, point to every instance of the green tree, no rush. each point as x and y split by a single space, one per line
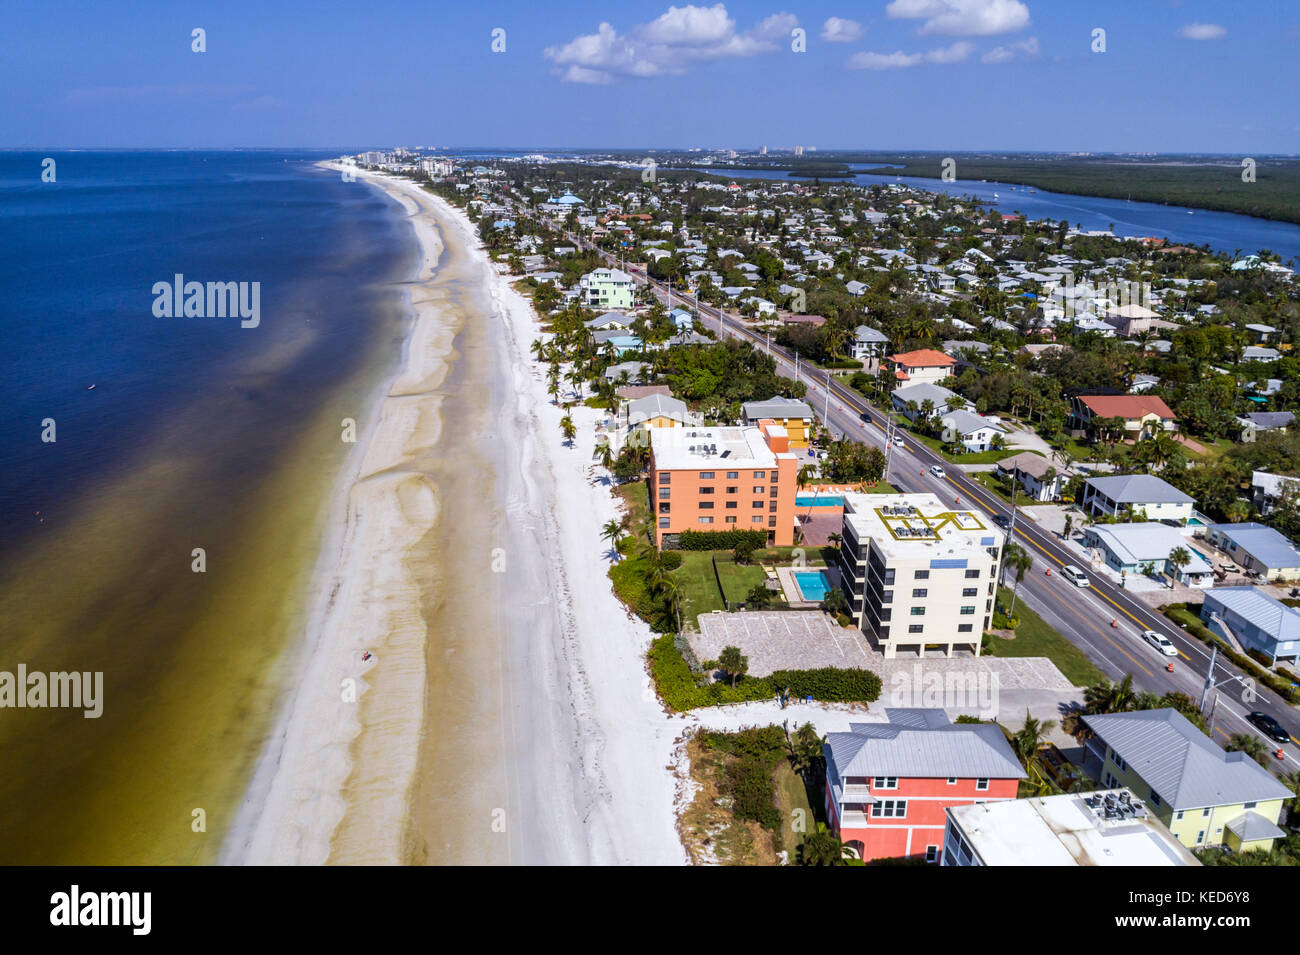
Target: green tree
1251 745
733 663
822 847
1018 559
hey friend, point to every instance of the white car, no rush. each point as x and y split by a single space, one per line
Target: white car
898 441
938 471
1160 642
1075 576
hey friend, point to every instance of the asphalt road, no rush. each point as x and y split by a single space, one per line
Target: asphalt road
1082 615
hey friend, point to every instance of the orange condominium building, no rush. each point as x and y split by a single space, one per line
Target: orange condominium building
723 479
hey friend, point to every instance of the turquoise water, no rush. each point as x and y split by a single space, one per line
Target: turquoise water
820 500
812 583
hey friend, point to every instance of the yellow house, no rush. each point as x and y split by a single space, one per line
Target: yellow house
658 411
1206 796
790 413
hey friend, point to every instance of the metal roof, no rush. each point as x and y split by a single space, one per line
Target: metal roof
1183 765
1260 608
1265 544
1250 826
1139 489
921 744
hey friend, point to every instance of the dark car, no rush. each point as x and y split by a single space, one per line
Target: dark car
1269 727
1001 520
866 418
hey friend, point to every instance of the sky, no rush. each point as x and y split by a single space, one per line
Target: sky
948 75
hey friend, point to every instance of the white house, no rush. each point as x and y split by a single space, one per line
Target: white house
972 431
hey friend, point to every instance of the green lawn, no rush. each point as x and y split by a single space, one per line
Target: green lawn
792 800
989 481
637 507
1034 638
979 457
699 588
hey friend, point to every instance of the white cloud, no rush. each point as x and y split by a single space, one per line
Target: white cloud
883 61
962 17
839 30
667 45
1002 54
899 60
1203 31
950 54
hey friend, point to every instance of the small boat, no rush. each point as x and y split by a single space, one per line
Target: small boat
90 387
1189 212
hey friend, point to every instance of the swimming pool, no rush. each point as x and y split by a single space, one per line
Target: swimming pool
812 584
818 500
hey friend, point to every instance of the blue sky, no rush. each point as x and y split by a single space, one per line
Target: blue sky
1176 75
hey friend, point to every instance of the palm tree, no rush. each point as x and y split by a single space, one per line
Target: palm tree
1026 742
1237 511
834 538
612 532
1178 559
1107 697
822 847
1019 560
568 429
606 456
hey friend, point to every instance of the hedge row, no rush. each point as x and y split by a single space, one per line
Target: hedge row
678 688
719 540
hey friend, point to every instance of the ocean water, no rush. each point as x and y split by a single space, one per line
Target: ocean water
198 434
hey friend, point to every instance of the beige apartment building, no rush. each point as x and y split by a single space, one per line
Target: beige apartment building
920 577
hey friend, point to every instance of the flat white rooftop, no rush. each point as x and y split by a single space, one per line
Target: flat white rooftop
710 449
920 526
1065 830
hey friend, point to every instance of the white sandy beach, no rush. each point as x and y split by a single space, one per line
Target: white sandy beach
579 771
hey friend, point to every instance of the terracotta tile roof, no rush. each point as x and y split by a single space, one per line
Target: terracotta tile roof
1126 406
923 358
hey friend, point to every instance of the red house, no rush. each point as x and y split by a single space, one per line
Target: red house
888 784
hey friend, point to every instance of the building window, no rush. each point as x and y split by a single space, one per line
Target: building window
732 505
757 519
1179 815
758 504
918 611
664 507
887 597
1205 813
733 490
965 627
916 628
921 575
889 809
884 782
1249 805
732 475
1200 838
981 784
952 780
760 475
969 591
663 522
731 520
931 853
973 574
706 475
920 592
771 522
706 520
665 493
758 488
706 505
1155 799
706 490
665 477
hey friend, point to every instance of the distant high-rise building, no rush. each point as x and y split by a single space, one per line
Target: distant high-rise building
798 151
763 151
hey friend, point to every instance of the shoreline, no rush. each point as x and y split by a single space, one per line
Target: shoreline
508 716
295 802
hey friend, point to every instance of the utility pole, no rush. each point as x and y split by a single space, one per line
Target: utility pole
826 413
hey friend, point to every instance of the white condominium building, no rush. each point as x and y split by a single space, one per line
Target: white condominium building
918 575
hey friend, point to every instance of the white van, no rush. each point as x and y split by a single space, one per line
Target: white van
1075 576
